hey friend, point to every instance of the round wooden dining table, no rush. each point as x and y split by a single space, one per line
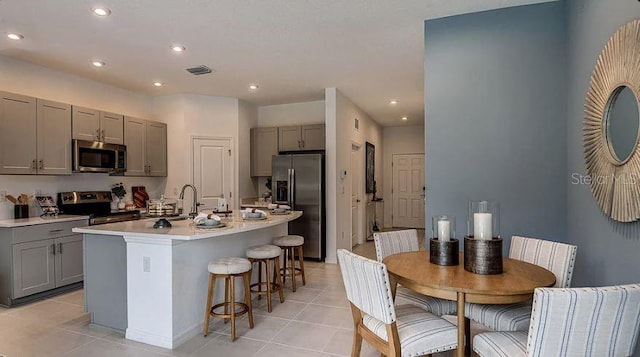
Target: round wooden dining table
516 284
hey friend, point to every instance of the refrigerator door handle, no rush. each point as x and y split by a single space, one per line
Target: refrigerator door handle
292 189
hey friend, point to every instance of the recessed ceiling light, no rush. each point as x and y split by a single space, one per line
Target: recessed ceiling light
99 64
253 87
178 48
158 84
101 11
15 36
393 102
405 118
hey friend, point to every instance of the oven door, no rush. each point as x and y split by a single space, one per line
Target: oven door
95 156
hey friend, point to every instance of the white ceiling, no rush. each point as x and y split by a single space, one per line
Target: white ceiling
371 50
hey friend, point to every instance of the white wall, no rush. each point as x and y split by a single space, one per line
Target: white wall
29 79
341 135
292 114
189 115
397 140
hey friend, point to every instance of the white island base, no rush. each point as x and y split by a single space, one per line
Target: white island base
153 283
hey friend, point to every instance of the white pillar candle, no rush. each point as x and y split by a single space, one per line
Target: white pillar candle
444 231
482 226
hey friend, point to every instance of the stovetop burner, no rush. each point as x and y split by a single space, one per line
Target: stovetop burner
96 204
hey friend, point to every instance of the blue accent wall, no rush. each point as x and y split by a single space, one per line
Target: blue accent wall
608 252
495 118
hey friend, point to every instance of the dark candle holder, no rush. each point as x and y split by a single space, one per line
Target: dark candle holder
444 252
483 256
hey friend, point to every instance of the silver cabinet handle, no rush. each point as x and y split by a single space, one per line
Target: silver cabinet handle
98 134
103 136
148 169
53 248
300 144
33 164
53 231
303 143
41 166
60 248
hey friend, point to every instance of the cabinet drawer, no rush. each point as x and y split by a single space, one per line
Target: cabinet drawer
44 231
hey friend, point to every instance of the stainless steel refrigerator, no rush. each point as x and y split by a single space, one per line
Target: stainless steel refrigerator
298 181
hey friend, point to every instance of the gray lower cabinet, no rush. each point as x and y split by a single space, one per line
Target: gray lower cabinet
34 259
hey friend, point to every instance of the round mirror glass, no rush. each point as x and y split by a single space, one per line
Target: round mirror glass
622 123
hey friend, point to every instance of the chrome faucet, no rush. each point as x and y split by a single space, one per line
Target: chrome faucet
194 208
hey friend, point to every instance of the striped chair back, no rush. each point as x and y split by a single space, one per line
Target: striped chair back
393 242
558 258
602 321
367 284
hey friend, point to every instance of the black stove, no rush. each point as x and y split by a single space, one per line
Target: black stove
95 204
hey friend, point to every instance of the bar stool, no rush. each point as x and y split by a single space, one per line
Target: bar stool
229 269
266 254
290 244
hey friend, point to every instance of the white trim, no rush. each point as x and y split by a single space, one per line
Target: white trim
149 338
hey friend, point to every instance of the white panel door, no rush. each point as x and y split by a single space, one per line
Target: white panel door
212 171
355 195
408 190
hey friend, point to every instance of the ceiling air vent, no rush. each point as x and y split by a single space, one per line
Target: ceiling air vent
199 70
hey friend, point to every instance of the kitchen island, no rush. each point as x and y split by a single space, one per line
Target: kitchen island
152 283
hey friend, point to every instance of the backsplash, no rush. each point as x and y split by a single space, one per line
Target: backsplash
51 185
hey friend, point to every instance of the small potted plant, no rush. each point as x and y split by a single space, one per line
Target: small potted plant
119 190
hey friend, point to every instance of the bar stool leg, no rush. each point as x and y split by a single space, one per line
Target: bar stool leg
233 308
259 279
226 298
300 259
285 253
247 296
276 278
207 312
292 255
266 268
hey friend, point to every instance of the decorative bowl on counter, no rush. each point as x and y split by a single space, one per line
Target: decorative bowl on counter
161 207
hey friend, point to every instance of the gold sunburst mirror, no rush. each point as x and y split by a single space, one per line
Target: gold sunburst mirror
612 126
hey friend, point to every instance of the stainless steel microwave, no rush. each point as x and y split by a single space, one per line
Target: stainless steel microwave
96 156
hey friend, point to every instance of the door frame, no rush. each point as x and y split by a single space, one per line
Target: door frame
424 191
192 168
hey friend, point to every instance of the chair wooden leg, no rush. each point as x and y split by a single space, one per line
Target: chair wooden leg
276 278
357 338
292 255
247 296
266 268
300 260
207 312
233 309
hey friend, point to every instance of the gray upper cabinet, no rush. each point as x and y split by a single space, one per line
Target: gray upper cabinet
305 137
264 144
35 136
94 125
17 134
146 143
54 138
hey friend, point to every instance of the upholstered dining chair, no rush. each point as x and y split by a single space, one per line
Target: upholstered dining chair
559 258
394 331
602 321
393 242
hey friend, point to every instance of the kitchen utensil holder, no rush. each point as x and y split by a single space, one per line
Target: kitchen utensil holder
21 211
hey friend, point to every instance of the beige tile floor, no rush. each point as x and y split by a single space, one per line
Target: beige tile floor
313 321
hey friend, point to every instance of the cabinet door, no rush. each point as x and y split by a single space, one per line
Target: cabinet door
312 137
85 124
112 128
68 260
17 134
33 267
289 138
54 138
264 144
135 136
157 149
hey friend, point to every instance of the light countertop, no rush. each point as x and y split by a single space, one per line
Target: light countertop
32 221
186 229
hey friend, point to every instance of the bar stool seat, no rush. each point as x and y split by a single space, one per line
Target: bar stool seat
228 269
292 244
267 255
